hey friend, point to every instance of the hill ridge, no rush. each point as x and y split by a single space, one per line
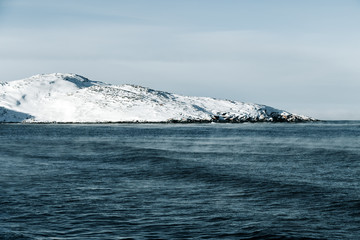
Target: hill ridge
68 97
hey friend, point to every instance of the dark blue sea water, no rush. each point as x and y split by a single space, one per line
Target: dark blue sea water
180 181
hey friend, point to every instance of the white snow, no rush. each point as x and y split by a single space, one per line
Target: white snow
61 97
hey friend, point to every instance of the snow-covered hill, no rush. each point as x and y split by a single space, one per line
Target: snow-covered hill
72 98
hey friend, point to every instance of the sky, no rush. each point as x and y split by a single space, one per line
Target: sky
300 56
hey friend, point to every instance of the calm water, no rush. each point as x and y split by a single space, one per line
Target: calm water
199 181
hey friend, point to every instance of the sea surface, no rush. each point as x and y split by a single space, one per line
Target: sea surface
180 181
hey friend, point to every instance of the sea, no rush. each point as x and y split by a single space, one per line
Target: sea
180 181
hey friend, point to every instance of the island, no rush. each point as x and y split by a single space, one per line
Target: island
71 98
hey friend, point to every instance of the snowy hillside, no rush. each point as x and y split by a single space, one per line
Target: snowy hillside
72 98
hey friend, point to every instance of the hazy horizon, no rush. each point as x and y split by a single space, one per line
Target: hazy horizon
298 56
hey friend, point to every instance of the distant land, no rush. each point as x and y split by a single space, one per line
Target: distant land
71 98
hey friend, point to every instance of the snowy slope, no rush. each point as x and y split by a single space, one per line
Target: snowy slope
72 98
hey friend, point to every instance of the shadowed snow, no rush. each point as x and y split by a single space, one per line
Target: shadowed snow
7 115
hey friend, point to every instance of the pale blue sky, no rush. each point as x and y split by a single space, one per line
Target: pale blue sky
302 56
